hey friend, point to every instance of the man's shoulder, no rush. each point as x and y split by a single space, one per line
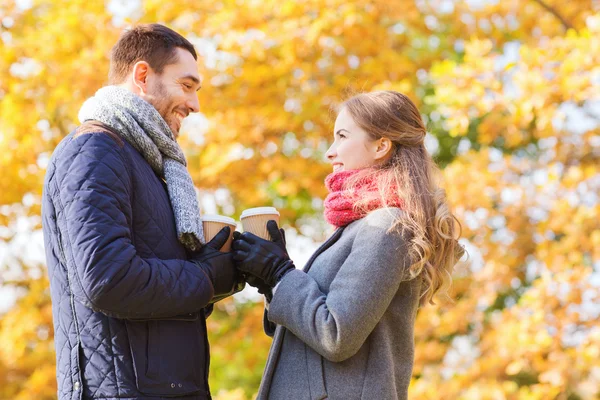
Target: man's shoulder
87 144
92 138
97 127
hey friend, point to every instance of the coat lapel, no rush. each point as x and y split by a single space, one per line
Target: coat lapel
280 331
328 243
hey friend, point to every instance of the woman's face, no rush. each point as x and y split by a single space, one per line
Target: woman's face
352 147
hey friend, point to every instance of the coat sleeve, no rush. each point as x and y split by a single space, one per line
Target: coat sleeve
106 273
268 326
336 324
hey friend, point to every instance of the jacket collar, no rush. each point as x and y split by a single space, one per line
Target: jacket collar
328 243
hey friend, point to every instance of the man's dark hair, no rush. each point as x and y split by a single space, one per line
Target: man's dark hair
153 43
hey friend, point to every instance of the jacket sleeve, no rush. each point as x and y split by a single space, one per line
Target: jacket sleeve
336 324
106 273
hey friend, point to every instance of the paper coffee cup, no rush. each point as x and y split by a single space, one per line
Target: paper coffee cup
212 224
255 220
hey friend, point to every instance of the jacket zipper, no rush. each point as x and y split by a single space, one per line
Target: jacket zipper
75 321
206 356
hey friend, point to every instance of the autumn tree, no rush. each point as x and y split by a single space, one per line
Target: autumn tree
508 90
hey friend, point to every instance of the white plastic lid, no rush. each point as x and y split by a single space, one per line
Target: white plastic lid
218 218
259 211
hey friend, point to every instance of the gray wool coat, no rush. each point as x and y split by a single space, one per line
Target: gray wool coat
344 325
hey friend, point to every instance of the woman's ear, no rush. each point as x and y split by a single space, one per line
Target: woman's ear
140 76
383 149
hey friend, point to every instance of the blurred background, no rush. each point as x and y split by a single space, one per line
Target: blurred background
510 92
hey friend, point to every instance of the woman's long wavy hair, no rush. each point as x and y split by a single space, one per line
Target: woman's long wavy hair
411 175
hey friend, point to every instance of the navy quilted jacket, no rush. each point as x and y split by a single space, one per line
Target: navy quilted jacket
128 307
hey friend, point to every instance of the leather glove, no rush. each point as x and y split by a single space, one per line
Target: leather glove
219 266
255 281
267 260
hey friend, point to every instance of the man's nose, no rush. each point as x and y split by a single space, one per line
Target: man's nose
193 104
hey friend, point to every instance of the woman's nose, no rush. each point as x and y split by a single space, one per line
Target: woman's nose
330 153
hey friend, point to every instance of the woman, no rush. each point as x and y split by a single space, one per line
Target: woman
344 324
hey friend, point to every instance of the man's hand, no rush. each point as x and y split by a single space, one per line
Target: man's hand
218 266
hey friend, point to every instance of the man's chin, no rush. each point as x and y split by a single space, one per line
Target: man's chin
174 127
175 132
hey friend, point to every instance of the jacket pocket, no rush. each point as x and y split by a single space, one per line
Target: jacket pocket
168 356
316 376
77 388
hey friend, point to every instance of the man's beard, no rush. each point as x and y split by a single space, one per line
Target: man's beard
160 99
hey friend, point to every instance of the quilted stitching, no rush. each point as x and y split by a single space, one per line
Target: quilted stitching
92 187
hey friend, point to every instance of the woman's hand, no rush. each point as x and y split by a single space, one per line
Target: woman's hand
267 260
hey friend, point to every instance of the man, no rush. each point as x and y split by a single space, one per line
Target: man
130 277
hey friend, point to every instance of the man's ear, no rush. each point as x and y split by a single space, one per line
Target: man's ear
384 147
139 75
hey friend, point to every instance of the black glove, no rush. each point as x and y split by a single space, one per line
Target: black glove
267 260
219 266
255 281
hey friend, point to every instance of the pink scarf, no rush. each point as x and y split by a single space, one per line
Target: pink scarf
339 203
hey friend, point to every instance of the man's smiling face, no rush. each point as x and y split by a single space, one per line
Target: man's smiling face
173 92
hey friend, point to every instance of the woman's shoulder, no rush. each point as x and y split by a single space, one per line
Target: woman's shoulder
385 217
380 231
376 223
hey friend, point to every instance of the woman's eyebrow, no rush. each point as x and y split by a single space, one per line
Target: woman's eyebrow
339 130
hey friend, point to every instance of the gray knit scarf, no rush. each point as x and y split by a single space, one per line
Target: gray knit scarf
140 124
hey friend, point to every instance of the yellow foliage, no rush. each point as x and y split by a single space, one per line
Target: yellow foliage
500 76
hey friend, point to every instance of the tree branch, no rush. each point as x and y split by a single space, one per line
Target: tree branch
553 11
